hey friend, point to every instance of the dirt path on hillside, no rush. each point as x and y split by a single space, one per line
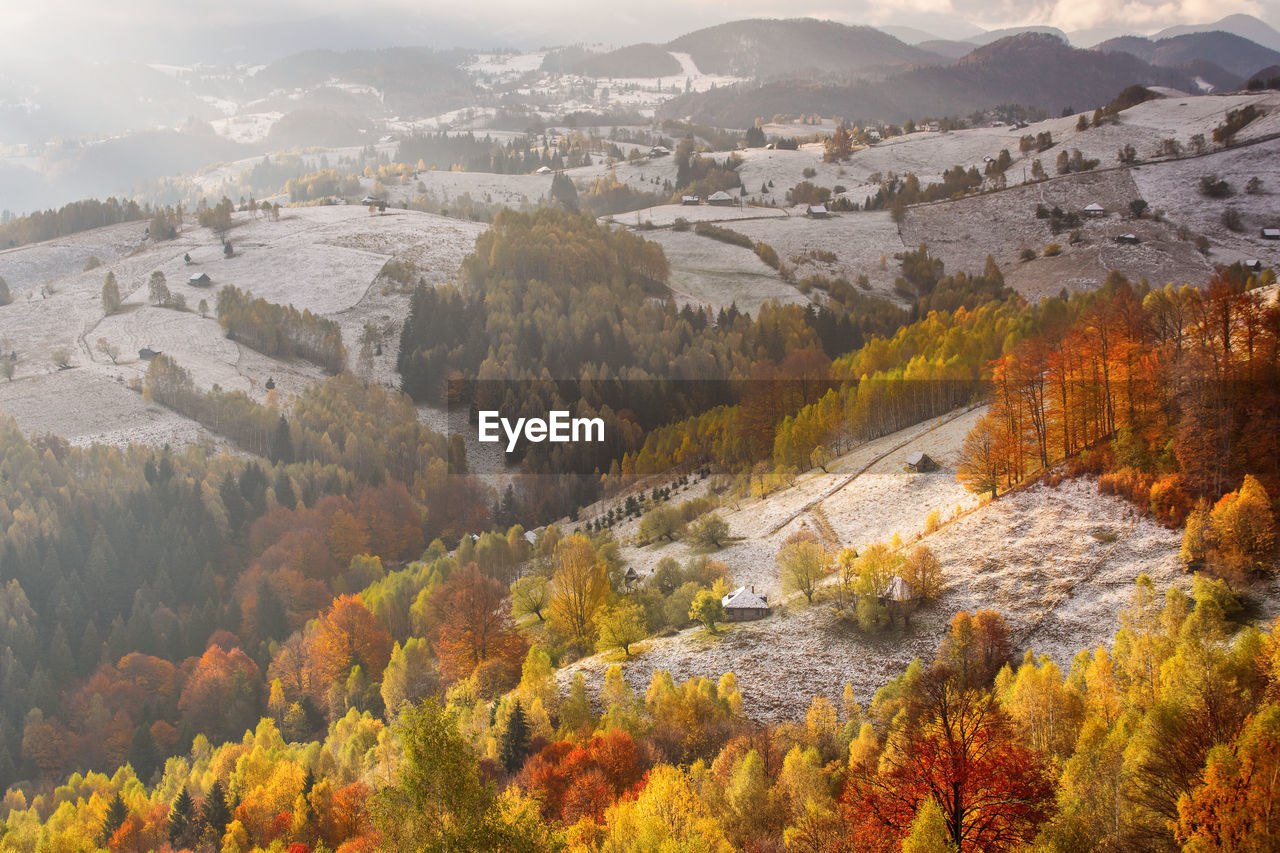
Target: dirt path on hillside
840 484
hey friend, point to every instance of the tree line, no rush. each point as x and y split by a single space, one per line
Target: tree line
281 331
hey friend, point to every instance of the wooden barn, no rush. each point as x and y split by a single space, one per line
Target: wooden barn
921 463
744 605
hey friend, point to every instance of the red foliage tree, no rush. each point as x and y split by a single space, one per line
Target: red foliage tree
960 750
577 781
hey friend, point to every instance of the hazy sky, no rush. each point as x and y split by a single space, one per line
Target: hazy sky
164 29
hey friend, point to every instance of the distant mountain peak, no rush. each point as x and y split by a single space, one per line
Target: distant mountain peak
1245 26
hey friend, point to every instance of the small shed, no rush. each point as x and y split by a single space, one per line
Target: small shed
720 198
1271 233
542 170
921 462
897 590
631 578
817 211
690 200
1095 210
368 200
200 279
147 353
1128 239
744 605
1252 265
659 151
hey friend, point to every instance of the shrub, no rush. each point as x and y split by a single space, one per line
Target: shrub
724 235
1170 502
1028 254
710 532
663 522
1052 250
1212 186
768 254
932 521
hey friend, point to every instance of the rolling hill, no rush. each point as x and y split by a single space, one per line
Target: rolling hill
1231 52
993 36
770 49
636 60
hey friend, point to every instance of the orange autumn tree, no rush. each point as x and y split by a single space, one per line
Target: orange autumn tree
1234 808
222 694
475 629
345 637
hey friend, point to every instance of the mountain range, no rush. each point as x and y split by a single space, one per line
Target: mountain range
1031 69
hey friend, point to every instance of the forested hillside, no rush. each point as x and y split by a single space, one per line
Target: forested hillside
120 566
341 641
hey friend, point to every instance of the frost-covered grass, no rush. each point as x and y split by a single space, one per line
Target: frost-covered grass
709 272
1057 563
325 259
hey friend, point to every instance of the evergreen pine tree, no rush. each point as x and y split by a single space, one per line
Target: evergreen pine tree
514 746
216 814
182 821
116 814
281 444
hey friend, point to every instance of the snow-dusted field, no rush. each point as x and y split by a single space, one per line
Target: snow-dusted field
858 240
515 191
1174 188
326 259
88 407
709 272
667 214
1057 563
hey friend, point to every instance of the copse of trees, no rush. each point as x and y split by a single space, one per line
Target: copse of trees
703 176
216 218
280 330
322 184
519 156
1077 389
70 219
